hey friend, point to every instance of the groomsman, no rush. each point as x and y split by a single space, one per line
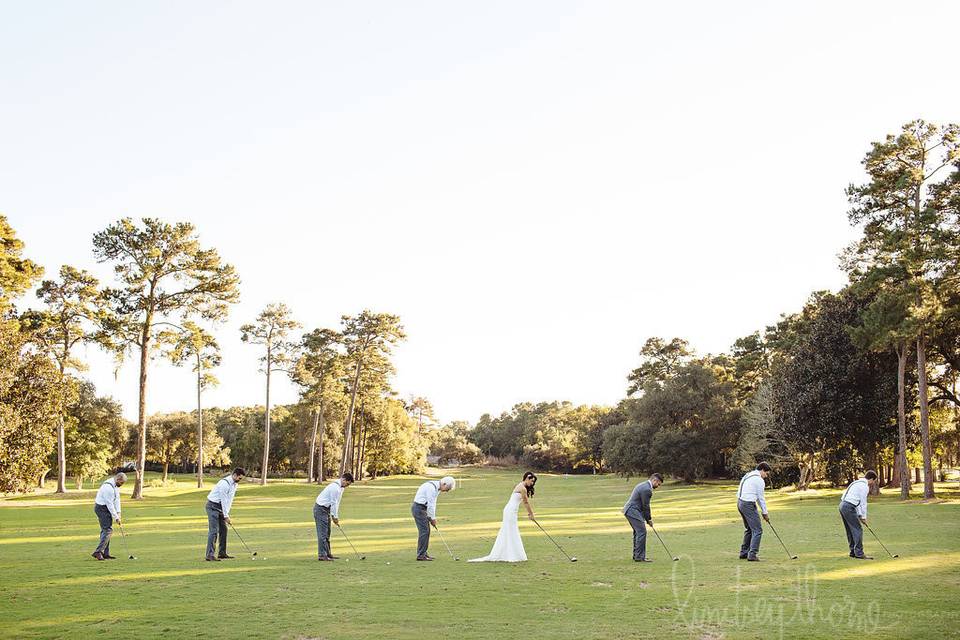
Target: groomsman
637 511
424 510
327 506
219 501
107 507
749 494
853 512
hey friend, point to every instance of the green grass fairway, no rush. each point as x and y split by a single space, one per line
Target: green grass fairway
52 588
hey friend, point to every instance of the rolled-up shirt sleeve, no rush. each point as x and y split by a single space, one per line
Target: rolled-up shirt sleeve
863 490
335 506
226 498
759 486
432 504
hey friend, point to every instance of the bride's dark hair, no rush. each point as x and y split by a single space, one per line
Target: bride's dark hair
530 474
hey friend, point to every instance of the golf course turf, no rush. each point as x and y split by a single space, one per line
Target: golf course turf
52 588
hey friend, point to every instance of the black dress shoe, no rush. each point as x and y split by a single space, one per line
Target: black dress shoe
743 556
212 559
324 559
864 557
334 557
753 559
224 556
97 555
109 557
642 560
424 559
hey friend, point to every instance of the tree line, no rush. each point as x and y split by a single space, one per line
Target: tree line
862 377
169 293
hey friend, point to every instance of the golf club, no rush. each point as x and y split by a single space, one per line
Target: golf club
675 558
126 547
455 558
253 554
792 557
892 555
569 557
351 544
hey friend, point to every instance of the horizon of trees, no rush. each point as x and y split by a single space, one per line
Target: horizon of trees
863 377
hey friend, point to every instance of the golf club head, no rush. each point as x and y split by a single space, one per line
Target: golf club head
132 557
573 559
363 557
254 554
676 558
794 557
896 555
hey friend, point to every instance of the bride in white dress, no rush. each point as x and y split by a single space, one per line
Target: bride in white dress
508 546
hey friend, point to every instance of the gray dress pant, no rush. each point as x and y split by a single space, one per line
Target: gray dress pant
321 515
106 528
420 516
635 518
851 523
216 528
752 529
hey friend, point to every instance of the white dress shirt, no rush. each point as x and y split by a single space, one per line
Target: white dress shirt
223 493
109 496
427 494
751 489
856 494
330 497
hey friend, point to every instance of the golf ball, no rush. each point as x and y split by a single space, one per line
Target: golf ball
347 559
388 563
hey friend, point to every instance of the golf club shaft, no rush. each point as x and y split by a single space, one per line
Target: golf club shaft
772 528
662 542
348 541
878 540
241 540
553 541
445 543
123 535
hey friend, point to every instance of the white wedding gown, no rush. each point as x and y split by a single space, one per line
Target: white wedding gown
508 546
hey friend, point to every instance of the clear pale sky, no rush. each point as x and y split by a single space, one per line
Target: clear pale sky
534 187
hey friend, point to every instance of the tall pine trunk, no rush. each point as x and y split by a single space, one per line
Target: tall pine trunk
928 492
199 423
313 446
266 422
363 448
61 455
61 435
903 349
348 427
321 472
142 407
